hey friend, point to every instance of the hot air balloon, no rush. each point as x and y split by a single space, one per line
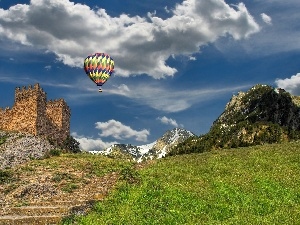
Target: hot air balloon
99 67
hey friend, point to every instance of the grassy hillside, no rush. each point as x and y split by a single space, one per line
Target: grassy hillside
253 185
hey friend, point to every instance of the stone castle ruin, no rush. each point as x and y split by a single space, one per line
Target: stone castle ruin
33 114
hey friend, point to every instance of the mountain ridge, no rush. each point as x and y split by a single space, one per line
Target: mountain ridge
263 114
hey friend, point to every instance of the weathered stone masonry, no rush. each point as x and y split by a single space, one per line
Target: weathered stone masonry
33 114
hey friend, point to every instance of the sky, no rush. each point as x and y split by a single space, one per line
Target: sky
177 63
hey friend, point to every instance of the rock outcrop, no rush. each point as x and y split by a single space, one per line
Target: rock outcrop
17 148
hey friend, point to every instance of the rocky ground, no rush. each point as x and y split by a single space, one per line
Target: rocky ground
17 148
38 189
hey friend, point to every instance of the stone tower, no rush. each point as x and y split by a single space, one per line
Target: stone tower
32 114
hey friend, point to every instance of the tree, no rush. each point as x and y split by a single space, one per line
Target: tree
71 145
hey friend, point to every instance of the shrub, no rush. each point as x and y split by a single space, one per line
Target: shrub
130 175
71 145
55 152
70 187
2 139
6 176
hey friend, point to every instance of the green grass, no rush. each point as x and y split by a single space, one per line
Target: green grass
89 164
254 185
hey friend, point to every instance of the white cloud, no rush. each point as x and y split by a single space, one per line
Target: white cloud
72 31
282 36
48 67
167 10
122 89
90 144
169 121
267 19
111 128
164 99
291 85
120 131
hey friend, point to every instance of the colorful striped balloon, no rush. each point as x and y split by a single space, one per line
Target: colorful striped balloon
99 67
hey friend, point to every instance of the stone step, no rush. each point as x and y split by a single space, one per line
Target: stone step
30 220
37 210
42 213
59 203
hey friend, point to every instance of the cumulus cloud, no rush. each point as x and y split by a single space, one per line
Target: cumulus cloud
267 19
111 128
72 31
291 85
168 121
120 131
90 144
283 36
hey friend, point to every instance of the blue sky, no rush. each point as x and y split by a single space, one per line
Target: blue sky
177 63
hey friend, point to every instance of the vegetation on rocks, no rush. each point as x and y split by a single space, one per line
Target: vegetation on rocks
260 116
6 176
2 139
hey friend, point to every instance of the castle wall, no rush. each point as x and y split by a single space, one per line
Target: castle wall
32 114
5 118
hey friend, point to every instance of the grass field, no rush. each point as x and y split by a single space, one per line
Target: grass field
254 185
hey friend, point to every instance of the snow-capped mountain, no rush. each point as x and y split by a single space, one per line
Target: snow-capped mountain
169 140
156 149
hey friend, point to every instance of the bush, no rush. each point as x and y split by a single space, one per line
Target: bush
2 139
6 176
71 145
130 175
55 152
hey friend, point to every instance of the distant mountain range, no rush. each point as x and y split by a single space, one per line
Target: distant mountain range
156 149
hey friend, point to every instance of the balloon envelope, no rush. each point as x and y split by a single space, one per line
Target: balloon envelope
99 67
